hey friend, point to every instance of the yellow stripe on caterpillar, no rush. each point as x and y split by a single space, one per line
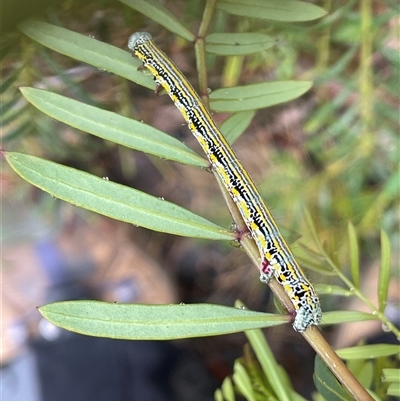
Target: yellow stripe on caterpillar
278 259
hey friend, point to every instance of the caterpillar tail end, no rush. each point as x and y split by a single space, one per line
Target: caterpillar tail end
304 318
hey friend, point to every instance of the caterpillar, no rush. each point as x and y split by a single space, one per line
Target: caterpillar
277 259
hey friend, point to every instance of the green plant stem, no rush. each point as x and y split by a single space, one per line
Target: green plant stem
323 44
200 51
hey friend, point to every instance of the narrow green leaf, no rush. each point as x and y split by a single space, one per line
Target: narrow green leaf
268 362
88 50
243 382
232 44
369 351
391 375
153 322
354 254
21 130
257 96
394 389
218 395
16 114
311 226
236 124
113 200
384 271
9 105
113 127
288 10
156 12
332 290
9 81
366 374
336 317
227 389
327 384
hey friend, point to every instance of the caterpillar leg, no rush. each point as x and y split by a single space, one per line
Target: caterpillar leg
266 271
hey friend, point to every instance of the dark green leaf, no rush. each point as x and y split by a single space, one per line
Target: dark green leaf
236 124
257 96
327 384
287 10
232 44
17 132
113 200
9 105
153 322
113 127
88 50
156 12
9 81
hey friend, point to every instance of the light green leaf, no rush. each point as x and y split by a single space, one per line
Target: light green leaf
232 44
394 389
287 10
327 384
227 389
158 13
257 96
268 362
391 375
366 374
113 200
332 290
236 124
218 395
243 382
153 322
384 272
336 317
88 50
368 351
354 254
113 127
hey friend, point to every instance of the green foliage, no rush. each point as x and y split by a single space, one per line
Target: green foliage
348 179
113 200
154 322
327 384
290 10
113 127
257 96
233 44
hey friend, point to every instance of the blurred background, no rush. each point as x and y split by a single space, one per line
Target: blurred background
334 151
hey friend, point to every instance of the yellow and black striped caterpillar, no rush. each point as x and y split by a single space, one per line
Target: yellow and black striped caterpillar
277 258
